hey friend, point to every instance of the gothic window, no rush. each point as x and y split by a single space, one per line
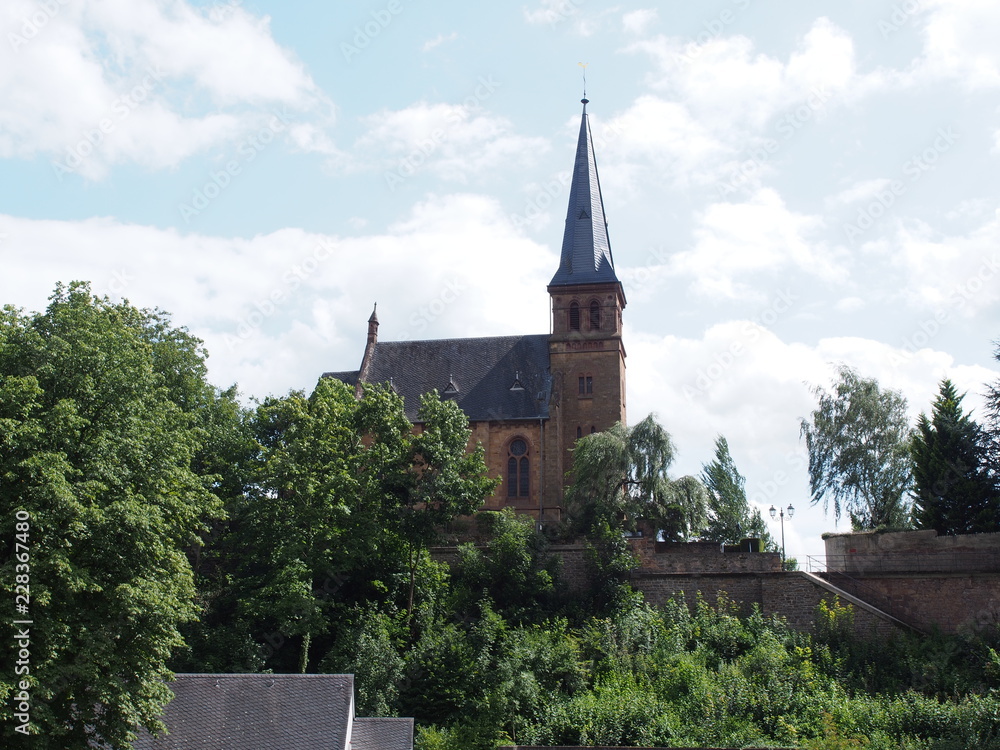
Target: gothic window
595 315
579 433
574 316
585 385
518 475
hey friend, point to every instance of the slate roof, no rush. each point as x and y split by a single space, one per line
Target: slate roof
586 250
483 372
382 734
256 712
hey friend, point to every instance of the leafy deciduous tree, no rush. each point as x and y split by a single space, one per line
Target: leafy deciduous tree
99 427
858 442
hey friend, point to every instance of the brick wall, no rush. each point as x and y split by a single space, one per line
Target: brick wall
912 552
948 601
698 557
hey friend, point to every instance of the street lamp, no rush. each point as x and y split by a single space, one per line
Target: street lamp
781 514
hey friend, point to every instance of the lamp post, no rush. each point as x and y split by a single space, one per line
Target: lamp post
781 513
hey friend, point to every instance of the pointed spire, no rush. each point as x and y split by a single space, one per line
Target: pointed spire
373 326
586 251
366 358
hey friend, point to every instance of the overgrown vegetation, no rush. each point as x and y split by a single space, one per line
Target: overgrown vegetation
173 529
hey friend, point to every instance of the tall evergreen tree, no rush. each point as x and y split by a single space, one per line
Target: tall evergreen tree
730 517
953 491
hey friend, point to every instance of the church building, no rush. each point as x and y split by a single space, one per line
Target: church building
529 398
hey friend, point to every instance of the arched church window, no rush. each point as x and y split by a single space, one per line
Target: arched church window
574 316
518 469
595 315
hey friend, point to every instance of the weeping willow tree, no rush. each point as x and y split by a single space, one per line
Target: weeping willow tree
620 477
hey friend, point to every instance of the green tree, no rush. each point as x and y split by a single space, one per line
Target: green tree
858 442
730 517
993 426
515 571
953 491
347 496
620 477
446 480
99 429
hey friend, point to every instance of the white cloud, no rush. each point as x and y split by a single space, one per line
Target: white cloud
736 240
859 191
439 40
742 381
959 275
109 81
637 21
733 89
278 309
551 12
960 42
722 109
455 141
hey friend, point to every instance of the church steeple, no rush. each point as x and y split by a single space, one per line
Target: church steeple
586 251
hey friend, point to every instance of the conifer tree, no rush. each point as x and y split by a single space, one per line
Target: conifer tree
730 516
953 492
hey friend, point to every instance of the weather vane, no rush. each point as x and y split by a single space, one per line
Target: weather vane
584 66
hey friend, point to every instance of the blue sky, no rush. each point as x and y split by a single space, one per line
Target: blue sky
788 186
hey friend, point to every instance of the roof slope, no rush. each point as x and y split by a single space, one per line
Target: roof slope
500 377
250 711
586 250
382 734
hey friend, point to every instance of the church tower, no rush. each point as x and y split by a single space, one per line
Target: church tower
586 354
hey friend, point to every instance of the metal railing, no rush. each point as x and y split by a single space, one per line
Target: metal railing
856 587
906 562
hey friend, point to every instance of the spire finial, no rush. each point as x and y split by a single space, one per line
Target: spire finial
584 100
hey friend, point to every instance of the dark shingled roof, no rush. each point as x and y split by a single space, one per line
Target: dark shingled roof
256 712
482 370
586 250
382 734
